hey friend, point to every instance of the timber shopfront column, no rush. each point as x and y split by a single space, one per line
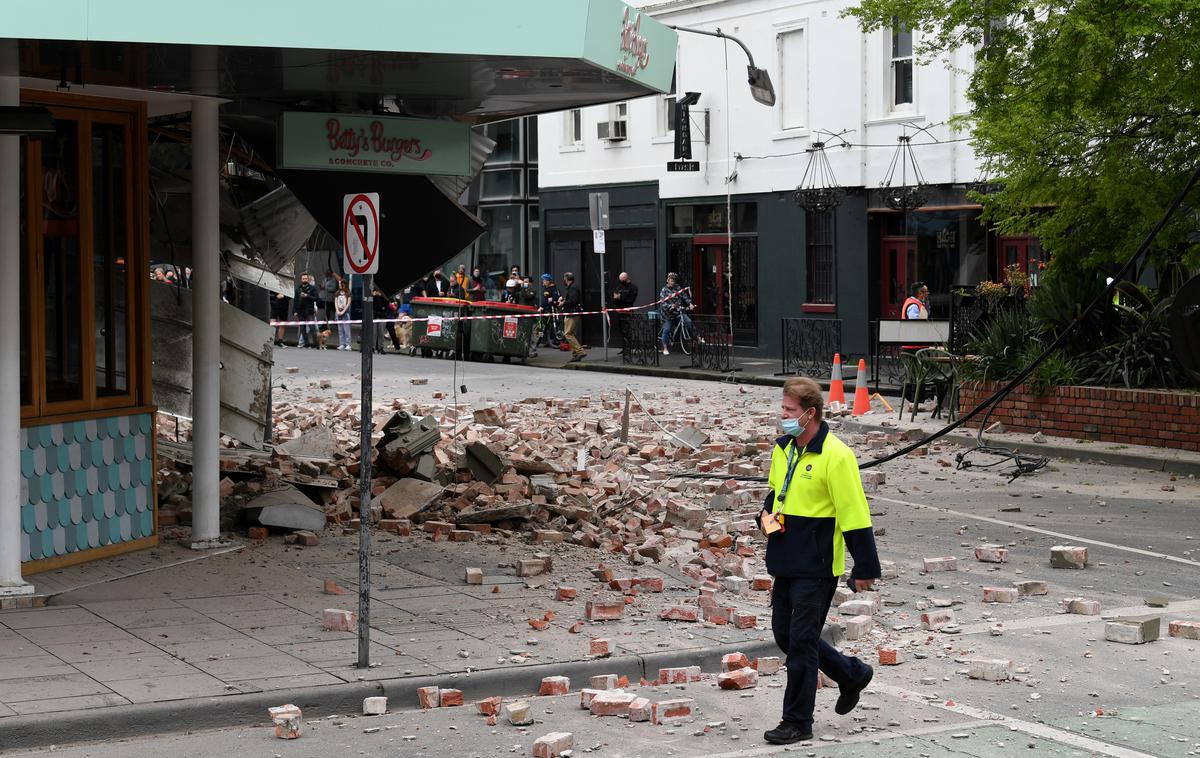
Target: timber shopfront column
86 443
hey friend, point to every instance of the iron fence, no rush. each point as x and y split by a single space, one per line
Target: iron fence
639 339
809 345
886 368
712 344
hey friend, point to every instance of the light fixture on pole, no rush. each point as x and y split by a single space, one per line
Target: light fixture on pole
759 80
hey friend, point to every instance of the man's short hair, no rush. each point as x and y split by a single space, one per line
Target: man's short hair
806 392
916 288
569 275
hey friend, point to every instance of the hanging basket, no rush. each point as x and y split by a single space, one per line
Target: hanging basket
905 198
818 198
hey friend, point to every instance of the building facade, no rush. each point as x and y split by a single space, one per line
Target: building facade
733 229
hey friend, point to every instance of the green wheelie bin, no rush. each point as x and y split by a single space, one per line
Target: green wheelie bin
438 325
507 333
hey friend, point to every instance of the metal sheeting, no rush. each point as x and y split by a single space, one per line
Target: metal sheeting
246 358
454 186
277 225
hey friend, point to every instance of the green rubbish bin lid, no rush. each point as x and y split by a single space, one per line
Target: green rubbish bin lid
440 301
497 305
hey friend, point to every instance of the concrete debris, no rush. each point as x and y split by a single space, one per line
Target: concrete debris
991 554
1133 630
1031 587
931 565
1081 606
518 713
286 507
374 706
407 497
336 620
990 669
287 720
1186 630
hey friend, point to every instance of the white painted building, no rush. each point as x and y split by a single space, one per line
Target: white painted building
830 78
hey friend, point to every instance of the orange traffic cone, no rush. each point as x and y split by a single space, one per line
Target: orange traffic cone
862 400
837 391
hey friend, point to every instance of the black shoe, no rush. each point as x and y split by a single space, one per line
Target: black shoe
786 733
848 698
575 359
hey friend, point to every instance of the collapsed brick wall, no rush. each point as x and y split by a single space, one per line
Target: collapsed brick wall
1136 417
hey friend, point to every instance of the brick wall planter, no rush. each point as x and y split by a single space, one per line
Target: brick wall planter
1158 418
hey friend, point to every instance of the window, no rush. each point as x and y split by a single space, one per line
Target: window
902 66
500 184
819 256
793 76
665 125
80 299
573 127
507 135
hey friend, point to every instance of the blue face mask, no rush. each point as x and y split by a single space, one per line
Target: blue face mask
791 426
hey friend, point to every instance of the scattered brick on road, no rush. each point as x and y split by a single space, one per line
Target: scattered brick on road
990 669
518 713
858 627
374 706
934 620
1000 594
947 563
680 675
604 610
890 656
741 679
553 745
336 620
555 685
1081 606
1031 587
1068 557
671 709
287 720
1133 630
1187 630
429 697
991 554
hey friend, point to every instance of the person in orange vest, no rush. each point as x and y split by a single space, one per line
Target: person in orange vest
915 306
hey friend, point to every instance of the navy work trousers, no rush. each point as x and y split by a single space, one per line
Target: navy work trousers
799 606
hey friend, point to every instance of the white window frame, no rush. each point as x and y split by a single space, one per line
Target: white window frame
890 95
571 142
781 30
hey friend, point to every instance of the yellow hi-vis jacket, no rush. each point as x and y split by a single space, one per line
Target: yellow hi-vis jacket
823 510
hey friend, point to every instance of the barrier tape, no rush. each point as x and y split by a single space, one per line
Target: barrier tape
539 314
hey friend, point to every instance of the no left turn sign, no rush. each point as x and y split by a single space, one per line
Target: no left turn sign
360 232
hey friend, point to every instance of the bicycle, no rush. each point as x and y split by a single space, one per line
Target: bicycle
683 333
549 326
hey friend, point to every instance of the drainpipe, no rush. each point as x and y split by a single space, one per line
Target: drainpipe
206 303
11 582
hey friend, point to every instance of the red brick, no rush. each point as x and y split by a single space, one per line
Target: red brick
566 593
552 745
429 697
599 610
741 679
336 620
679 613
257 533
599 648
680 675
450 698
555 685
489 706
890 656
670 709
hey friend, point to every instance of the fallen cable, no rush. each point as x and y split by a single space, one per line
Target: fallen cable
660 426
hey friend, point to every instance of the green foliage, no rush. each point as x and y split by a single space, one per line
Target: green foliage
1085 112
1056 371
1140 355
1061 297
1001 346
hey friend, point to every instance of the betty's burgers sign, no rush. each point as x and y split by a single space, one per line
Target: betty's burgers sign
344 142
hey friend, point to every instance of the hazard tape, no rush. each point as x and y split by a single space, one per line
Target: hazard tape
540 314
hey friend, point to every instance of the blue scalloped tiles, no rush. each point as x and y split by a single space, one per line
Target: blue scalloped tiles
85 484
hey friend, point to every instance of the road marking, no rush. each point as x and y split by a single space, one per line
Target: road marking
1071 619
1094 746
1015 525
876 736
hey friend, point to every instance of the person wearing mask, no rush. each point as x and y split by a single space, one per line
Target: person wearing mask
477 288
511 289
814 511
624 296
675 305
571 303
527 295
341 313
438 285
546 331
460 278
279 312
306 311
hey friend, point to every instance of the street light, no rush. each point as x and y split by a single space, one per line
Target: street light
759 80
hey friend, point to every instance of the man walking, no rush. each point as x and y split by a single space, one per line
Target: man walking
814 511
572 303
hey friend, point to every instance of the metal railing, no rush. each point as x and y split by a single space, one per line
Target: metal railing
639 339
809 345
886 368
712 344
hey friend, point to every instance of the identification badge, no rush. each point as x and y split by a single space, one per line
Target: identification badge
770 523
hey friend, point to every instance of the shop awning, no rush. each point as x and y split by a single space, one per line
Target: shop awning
468 60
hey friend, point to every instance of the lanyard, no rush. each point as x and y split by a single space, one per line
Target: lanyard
793 462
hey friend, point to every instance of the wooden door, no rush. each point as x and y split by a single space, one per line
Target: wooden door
708 290
897 270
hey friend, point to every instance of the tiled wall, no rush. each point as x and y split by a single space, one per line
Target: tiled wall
85 484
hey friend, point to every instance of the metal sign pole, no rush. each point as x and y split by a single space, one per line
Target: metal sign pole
367 343
603 305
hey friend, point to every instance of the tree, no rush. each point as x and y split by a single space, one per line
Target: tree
1086 114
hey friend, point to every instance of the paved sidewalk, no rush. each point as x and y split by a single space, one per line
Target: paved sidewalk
245 626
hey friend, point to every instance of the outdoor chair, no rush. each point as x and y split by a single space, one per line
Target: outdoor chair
915 385
940 368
